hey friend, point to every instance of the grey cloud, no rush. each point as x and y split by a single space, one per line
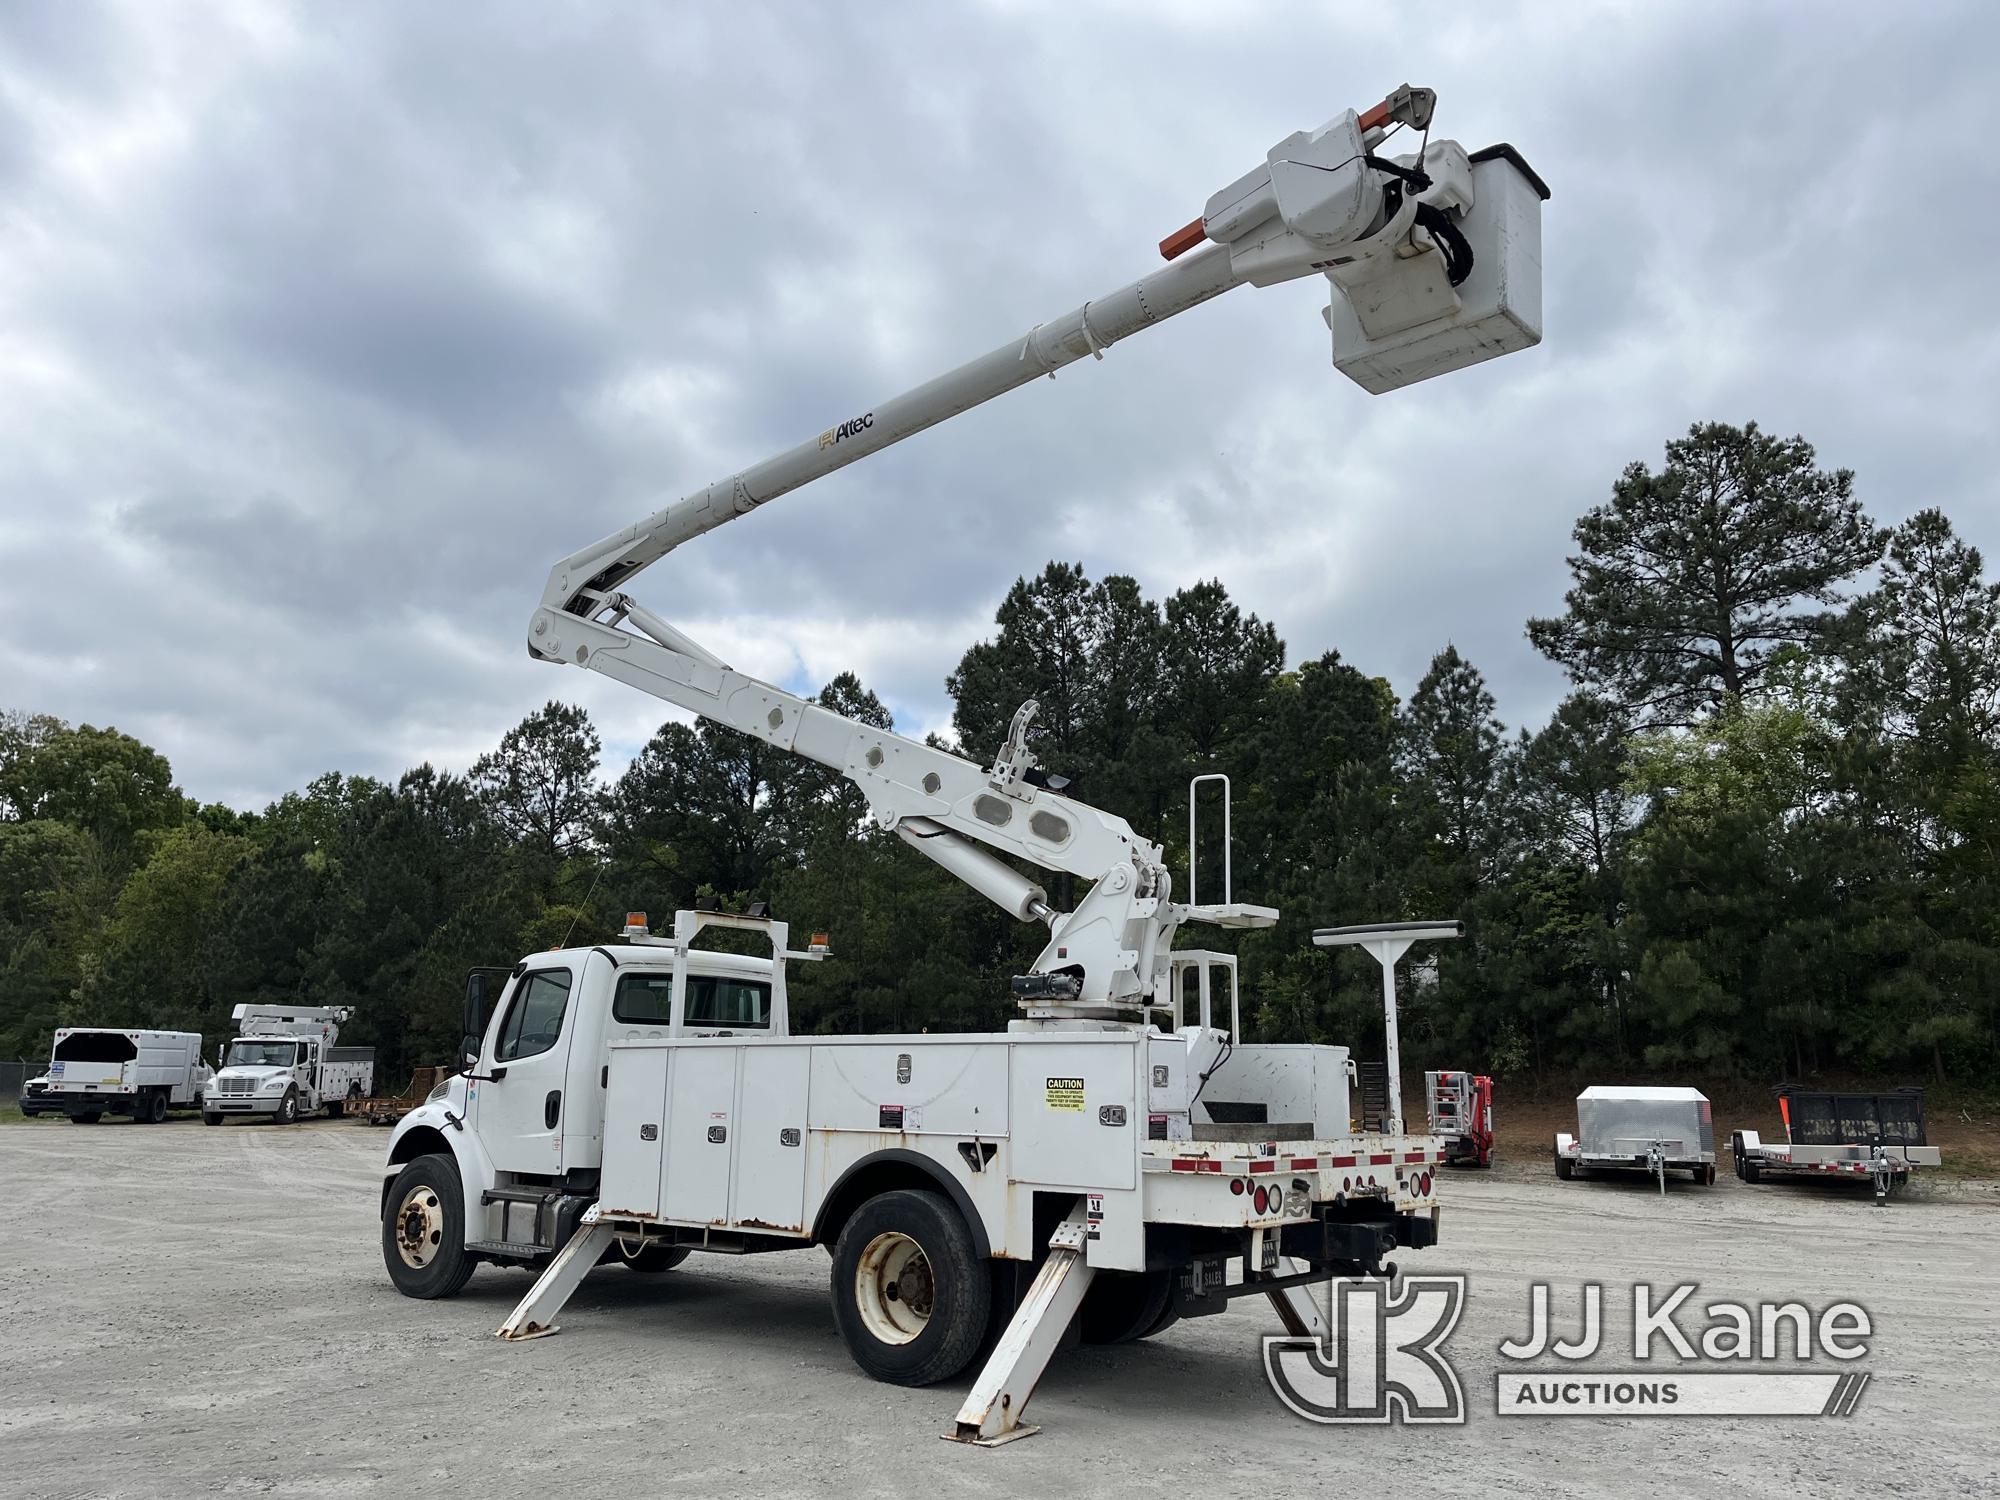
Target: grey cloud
323 330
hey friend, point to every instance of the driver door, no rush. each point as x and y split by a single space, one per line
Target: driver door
517 1103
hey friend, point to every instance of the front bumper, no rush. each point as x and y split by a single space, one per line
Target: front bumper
240 1104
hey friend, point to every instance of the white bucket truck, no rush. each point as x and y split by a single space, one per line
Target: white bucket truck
284 1063
1110 1158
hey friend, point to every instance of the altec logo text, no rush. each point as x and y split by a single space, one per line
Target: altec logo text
1383 1360
850 428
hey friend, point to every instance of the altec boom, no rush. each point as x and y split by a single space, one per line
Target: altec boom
1118 1157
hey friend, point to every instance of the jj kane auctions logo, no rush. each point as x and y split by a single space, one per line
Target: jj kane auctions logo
1381 1358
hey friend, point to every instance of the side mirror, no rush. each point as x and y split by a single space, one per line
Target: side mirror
468 1051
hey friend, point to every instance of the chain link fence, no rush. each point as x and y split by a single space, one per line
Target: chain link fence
13 1075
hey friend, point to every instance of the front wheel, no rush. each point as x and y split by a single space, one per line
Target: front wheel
288 1108
909 1292
423 1230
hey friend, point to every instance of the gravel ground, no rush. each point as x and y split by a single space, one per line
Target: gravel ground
204 1312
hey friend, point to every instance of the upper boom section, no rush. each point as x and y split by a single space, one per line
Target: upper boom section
1434 261
1044 349
1396 241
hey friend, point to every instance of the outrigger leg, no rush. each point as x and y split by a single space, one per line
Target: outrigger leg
992 1411
1295 1306
534 1316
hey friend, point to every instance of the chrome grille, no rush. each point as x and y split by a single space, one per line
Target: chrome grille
236 1085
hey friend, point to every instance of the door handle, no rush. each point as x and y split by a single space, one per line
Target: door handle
552 1108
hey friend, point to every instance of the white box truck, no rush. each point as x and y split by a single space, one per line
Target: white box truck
284 1063
96 1071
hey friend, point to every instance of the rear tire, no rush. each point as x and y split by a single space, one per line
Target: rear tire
88 1117
651 1259
1753 1172
909 1292
1565 1170
1123 1307
210 1117
154 1110
423 1230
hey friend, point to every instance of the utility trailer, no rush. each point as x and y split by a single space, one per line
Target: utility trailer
387 1109
1461 1115
1652 1130
96 1071
1841 1135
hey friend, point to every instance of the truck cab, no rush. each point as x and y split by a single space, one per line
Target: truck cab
524 1121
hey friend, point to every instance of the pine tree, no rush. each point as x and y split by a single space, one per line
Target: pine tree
1690 579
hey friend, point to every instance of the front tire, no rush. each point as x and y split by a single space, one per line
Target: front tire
423 1230
288 1109
909 1292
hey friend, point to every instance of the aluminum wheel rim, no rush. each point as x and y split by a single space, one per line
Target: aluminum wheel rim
894 1288
419 1227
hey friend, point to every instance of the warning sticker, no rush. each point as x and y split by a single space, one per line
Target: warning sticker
1066 1093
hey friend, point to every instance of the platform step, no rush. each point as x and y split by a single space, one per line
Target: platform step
512 1249
514 1195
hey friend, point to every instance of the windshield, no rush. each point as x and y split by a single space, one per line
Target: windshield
244 1054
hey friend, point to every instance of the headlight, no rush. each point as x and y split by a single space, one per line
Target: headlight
275 1083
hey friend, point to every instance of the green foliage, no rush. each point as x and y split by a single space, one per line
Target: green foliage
1689 579
1759 838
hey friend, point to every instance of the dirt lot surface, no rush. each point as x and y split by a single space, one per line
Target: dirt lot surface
204 1312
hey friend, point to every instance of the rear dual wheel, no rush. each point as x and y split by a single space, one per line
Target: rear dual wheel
1122 1307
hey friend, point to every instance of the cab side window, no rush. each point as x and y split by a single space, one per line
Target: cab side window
727 1002
643 999
535 1016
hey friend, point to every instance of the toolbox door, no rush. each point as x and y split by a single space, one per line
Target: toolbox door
769 1189
701 1124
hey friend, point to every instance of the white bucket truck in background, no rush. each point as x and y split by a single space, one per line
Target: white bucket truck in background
283 1063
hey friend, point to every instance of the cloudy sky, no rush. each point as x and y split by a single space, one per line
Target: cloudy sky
325 329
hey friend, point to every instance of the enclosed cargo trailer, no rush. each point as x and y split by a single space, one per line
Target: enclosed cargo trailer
1640 1129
